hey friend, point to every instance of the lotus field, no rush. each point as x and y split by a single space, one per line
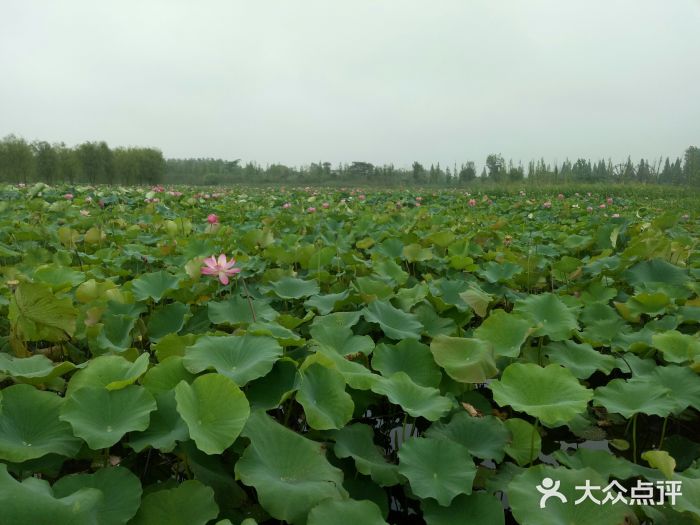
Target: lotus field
349 356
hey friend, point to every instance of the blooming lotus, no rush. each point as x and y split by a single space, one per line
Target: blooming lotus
325 205
472 202
547 204
220 267
560 196
286 205
311 209
212 218
609 200
68 196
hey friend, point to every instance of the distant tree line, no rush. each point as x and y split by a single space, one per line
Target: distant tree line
685 171
90 163
96 163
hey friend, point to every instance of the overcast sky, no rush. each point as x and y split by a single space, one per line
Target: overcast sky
376 80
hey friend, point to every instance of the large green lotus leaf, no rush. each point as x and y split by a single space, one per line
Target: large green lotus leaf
241 358
525 499
216 472
395 323
172 345
166 375
388 269
484 437
474 509
357 441
32 502
290 473
269 391
322 394
409 356
525 442
602 325
121 489
165 428
38 315
407 298
652 304
214 409
337 320
191 503
35 369
114 335
346 512
495 272
356 375
293 288
465 360
101 417
371 289
582 359
690 501
683 383
478 299
167 320
505 332
112 372
602 461
552 393
549 314
598 292
677 347
236 310
415 399
342 340
416 253
154 285
58 277
437 468
643 395
284 336
433 324
324 304
656 271
30 427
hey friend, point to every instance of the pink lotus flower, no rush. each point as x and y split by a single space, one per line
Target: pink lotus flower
417 204
589 209
602 206
609 200
547 204
361 197
212 218
472 202
68 196
419 199
286 205
560 196
220 267
311 209
325 205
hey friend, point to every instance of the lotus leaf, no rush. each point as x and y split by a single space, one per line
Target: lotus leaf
552 393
